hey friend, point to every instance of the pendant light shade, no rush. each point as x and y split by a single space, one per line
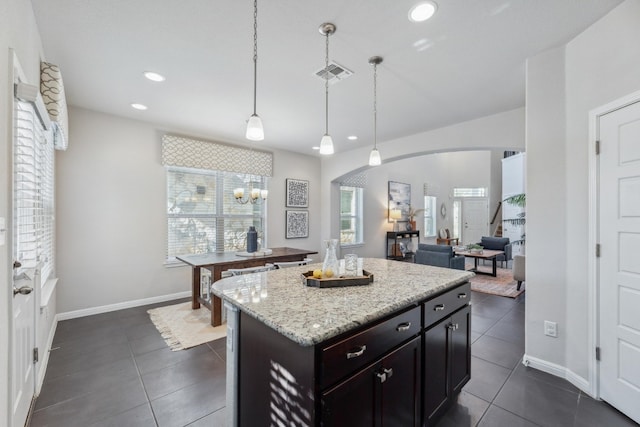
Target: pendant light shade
326 143
255 131
374 157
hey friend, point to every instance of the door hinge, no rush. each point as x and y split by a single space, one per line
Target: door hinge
35 355
597 147
598 354
597 250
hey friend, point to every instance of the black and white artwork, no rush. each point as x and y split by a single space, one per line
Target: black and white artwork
297 193
297 224
399 198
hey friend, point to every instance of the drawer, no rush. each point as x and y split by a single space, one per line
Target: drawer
445 304
347 356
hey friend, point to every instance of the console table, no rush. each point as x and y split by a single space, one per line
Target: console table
216 263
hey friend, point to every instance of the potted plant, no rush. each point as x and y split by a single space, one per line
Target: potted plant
411 213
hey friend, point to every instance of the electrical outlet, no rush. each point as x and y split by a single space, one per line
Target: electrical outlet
551 329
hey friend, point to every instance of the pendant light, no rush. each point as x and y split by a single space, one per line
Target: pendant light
326 143
255 131
374 157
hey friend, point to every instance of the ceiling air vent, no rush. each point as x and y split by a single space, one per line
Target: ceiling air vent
336 73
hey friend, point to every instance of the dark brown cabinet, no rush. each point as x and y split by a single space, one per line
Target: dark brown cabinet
401 370
402 245
447 362
385 393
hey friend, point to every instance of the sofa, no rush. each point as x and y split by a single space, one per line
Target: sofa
439 256
498 244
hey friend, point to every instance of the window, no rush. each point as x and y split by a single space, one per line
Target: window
33 192
429 216
470 192
203 215
351 232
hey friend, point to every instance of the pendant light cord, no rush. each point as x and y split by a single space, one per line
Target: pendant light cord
255 54
326 88
375 106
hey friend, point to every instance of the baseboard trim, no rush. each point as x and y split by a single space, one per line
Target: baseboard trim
120 306
558 371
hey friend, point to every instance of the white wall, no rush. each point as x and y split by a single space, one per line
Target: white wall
18 31
597 67
442 172
111 230
502 131
546 206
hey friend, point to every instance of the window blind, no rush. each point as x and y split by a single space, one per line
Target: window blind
203 215
33 191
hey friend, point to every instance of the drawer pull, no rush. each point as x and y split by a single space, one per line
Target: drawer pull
357 353
403 327
462 296
388 372
439 307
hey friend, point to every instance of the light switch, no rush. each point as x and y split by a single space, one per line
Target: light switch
3 230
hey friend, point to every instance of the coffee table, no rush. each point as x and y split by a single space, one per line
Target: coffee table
485 254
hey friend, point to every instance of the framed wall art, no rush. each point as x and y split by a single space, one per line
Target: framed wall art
297 224
297 193
399 198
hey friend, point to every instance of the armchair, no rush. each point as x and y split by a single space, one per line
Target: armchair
518 270
498 244
439 256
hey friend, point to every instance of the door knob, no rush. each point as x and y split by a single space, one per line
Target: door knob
25 290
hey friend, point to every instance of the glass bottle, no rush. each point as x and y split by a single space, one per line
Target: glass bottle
330 264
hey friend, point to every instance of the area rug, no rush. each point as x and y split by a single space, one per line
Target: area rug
182 328
502 285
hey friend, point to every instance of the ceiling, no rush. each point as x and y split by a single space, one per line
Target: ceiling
468 61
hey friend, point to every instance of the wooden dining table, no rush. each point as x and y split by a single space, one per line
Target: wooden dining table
216 263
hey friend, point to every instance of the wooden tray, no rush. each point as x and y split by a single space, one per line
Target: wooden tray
337 282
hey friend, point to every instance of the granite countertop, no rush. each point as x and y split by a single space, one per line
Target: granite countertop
309 315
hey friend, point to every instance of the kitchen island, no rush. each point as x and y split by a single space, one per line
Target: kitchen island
395 352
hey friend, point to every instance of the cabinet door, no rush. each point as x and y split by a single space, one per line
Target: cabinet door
386 393
401 388
436 390
460 349
353 402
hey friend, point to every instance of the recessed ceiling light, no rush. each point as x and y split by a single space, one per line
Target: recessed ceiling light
422 11
352 138
141 107
154 77
315 148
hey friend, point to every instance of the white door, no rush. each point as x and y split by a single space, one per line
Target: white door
619 278
23 367
475 220
23 342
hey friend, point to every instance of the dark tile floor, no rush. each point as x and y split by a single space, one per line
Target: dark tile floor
114 369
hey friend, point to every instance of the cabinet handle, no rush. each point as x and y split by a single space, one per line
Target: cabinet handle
462 296
439 307
356 353
403 327
453 326
381 376
388 372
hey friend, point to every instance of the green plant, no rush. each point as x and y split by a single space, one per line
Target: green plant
474 246
519 200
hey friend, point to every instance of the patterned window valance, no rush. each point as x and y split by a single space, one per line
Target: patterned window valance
197 154
355 180
52 90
